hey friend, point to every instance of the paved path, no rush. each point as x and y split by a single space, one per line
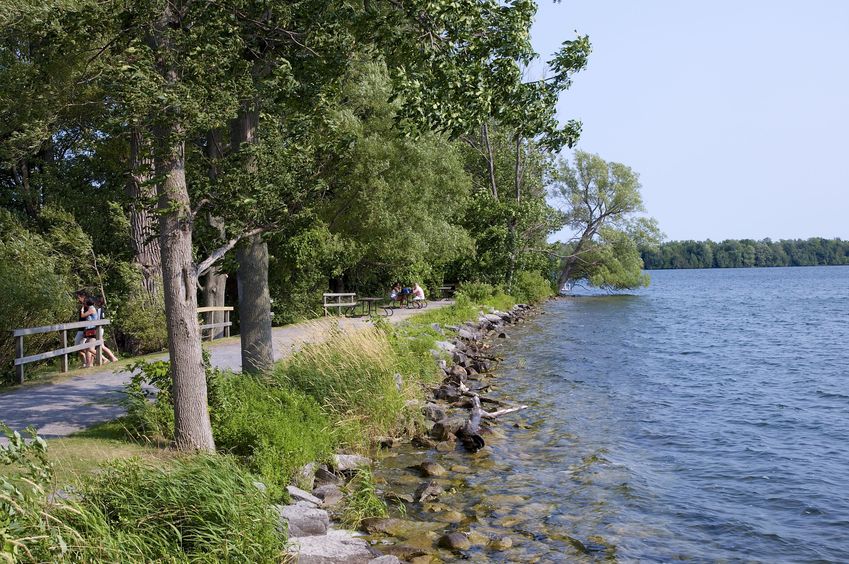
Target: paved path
59 409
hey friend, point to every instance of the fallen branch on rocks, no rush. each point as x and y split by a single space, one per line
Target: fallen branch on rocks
500 412
469 435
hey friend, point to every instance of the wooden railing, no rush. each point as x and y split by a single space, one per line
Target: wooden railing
21 359
226 324
332 300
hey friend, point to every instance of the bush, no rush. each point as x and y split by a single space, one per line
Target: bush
531 287
148 401
141 321
274 431
36 287
477 292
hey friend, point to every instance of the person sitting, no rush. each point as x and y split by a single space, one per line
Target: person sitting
418 292
395 292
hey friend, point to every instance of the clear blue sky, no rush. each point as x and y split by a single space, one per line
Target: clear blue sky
734 113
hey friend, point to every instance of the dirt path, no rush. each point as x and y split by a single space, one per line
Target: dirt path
59 409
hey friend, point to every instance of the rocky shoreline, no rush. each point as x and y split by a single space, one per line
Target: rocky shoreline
456 421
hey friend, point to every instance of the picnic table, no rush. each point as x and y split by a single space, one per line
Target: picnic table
372 304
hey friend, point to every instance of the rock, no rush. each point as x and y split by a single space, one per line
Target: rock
385 559
502 543
446 346
454 541
446 429
303 519
260 486
403 551
477 538
437 327
349 462
428 491
467 334
458 372
398 528
459 358
298 494
423 559
432 469
395 496
502 335
305 478
389 442
324 476
433 412
423 442
494 319
447 393
337 546
446 446
330 494
451 516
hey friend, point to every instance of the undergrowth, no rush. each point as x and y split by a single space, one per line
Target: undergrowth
362 501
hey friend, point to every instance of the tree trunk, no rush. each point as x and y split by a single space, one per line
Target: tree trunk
252 277
254 305
146 256
192 428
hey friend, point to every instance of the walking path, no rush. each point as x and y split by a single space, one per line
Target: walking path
59 409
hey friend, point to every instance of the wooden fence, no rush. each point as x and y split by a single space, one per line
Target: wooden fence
20 351
21 359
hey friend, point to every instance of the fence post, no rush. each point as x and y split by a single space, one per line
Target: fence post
226 320
65 346
19 353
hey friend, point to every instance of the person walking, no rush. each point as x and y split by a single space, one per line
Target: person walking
82 315
87 313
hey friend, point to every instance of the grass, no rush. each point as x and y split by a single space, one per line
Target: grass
362 501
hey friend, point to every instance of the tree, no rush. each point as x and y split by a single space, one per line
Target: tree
601 202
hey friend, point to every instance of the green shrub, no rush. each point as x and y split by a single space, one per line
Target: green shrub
531 287
477 292
148 401
273 430
141 321
36 286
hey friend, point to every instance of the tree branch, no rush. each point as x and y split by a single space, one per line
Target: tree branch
219 253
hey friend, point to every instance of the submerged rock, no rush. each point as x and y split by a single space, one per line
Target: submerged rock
432 469
428 491
455 541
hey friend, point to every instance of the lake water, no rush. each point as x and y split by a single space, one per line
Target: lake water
704 418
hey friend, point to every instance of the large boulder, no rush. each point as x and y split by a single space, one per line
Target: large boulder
303 519
297 494
349 462
336 547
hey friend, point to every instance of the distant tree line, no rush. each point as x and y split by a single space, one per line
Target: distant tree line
742 253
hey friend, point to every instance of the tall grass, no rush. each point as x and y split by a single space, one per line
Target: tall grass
353 377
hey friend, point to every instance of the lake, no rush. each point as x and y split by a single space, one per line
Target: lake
703 418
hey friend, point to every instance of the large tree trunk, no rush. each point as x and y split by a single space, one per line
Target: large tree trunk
254 305
146 256
252 254
192 428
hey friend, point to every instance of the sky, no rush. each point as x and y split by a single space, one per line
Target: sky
735 114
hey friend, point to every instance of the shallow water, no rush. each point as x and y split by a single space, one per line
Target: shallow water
705 418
